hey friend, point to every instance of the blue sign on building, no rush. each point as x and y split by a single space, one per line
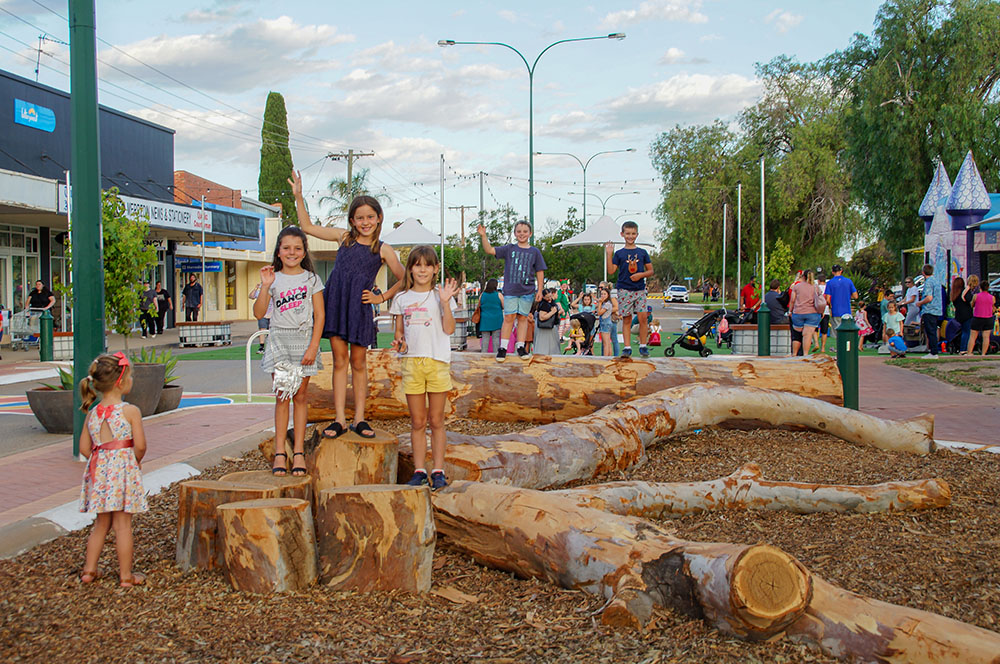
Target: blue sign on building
34 116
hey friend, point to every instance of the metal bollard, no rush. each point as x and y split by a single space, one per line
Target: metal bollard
45 323
763 330
847 359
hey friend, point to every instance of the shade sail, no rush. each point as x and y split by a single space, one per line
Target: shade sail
409 233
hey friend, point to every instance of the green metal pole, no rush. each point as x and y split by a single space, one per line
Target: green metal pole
763 330
88 293
45 324
847 360
531 147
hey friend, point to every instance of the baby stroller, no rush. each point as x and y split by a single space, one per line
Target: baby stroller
731 318
874 312
691 340
588 323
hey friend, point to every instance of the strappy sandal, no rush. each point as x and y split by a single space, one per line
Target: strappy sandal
280 471
335 430
298 471
89 577
136 579
363 429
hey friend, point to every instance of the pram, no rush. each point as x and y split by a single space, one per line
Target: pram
24 329
874 312
588 323
691 340
732 318
953 337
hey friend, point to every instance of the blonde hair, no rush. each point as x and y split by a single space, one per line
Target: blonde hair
423 253
973 281
575 323
101 376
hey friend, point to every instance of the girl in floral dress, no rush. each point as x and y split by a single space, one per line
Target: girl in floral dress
114 441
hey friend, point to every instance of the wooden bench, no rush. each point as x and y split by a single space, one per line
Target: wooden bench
204 333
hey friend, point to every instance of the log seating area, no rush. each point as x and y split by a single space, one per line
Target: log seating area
507 506
260 529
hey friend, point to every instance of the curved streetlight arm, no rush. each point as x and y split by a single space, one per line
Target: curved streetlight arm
451 42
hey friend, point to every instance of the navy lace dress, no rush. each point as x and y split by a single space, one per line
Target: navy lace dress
347 316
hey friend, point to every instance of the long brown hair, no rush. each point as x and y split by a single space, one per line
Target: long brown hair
306 263
422 253
957 286
351 236
101 376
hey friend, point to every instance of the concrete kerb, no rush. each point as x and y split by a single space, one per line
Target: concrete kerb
16 538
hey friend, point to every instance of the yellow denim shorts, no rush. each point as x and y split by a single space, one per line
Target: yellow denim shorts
425 374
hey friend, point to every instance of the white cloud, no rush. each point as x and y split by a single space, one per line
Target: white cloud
685 98
783 21
220 12
675 56
507 15
241 57
686 11
710 37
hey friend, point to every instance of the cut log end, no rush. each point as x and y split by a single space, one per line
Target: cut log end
769 588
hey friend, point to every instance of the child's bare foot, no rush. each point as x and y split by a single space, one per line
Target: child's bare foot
136 579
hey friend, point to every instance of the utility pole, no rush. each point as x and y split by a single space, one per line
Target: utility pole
350 156
462 209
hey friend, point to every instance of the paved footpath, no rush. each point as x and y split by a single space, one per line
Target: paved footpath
898 394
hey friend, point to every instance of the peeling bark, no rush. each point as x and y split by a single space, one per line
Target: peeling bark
197 532
551 389
376 537
268 545
615 437
288 486
754 592
746 489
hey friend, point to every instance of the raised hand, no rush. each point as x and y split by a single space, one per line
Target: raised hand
481 230
609 247
448 289
296 182
266 276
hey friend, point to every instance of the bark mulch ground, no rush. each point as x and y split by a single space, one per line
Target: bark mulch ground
943 561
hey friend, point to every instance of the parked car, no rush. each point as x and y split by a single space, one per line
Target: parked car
675 293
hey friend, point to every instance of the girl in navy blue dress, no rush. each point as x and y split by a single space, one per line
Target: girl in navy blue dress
350 322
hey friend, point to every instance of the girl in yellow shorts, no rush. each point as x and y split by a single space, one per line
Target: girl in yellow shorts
425 320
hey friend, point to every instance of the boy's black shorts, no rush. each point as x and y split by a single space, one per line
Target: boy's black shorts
824 325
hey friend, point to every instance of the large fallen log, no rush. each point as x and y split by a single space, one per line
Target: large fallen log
552 389
754 592
615 437
747 489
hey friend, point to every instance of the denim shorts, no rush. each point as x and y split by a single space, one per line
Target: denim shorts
606 325
800 320
518 304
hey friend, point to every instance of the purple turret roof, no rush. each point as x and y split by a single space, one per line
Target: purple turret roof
969 194
940 188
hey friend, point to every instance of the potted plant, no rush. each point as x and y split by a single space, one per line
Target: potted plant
52 405
171 395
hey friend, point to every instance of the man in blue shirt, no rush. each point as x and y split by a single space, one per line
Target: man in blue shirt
932 309
839 292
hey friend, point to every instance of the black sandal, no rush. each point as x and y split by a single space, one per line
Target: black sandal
280 471
363 429
335 430
298 471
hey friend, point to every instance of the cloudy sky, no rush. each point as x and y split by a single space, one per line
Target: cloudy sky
370 76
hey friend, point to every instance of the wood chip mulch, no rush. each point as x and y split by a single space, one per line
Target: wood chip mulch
944 561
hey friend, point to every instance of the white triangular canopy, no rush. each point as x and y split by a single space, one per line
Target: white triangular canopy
410 233
601 231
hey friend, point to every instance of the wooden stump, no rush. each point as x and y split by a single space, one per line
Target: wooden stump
268 545
376 537
288 486
351 460
197 541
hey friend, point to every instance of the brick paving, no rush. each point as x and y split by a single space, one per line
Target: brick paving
46 477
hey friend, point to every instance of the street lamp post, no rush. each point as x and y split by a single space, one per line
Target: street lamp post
531 100
604 201
584 167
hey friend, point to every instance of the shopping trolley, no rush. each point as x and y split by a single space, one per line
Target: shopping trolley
24 329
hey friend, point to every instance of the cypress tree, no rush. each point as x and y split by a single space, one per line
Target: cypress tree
276 159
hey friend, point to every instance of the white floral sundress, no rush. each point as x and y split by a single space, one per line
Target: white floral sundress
112 482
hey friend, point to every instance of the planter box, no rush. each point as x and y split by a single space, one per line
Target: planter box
147 385
204 333
62 345
53 408
745 340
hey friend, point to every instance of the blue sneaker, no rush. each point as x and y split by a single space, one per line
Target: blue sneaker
643 351
438 481
626 352
419 479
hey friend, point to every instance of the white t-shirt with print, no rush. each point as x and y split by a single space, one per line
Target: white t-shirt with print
291 297
422 325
